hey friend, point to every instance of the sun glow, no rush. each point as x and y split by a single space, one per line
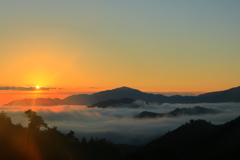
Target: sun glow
37 87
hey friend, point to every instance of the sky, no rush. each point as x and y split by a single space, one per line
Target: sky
154 45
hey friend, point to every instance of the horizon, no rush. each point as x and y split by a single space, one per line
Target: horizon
12 93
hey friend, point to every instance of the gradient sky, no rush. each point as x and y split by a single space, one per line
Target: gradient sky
154 45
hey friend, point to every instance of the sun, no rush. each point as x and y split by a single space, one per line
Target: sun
37 87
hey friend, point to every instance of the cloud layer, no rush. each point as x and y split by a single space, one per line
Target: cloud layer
118 124
22 88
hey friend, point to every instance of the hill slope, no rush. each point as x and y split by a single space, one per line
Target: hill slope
230 95
196 140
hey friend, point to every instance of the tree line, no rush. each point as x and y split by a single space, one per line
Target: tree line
38 141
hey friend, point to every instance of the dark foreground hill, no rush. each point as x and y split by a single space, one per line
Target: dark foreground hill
196 140
179 112
231 95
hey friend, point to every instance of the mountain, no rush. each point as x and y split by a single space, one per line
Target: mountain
37 102
230 95
123 92
179 112
146 114
117 93
194 111
113 103
196 139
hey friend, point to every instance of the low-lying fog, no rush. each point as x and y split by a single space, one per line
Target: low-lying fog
119 124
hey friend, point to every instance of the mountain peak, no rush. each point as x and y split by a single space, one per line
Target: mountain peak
126 88
122 90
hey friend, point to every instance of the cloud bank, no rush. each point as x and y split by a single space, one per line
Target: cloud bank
118 124
21 88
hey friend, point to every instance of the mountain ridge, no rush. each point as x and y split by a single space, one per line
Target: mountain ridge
197 110
112 102
230 95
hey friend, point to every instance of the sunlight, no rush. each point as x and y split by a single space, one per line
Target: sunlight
37 87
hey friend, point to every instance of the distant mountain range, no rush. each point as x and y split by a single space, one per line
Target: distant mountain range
37 102
230 95
179 112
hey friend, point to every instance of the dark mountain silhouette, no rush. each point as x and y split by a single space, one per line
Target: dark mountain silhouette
123 92
194 111
37 102
117 93
146 114
113 103
196 140
179 112
231 95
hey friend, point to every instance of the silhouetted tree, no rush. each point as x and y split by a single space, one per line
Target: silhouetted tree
71 136
191 121
35 121
4 119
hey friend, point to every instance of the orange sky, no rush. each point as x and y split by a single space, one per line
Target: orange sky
154 47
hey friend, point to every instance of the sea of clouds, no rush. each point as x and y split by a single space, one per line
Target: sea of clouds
119 124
